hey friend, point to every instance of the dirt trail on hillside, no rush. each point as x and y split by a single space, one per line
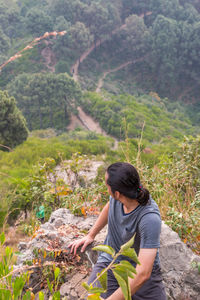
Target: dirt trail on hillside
74 68
88 123
49 57
100 82
83 119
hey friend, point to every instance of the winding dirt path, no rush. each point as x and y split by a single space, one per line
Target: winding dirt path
83 119
74 68
88 123
100 83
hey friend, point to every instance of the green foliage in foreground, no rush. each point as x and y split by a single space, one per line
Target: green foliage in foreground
13 287
122 271
20 181
18 164
124 114
13 130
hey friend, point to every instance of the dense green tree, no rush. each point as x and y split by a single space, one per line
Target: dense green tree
193 54
25 5
46 100
4 42
165 37
10 19
195 3
61 24
13 130
96 18
136 34
70 10
76 41
38 22
79 37
114 19
188 14
130 7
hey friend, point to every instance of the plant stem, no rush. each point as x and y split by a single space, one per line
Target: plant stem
105 270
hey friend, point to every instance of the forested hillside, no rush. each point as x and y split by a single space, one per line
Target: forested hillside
86 82
164 33
154 45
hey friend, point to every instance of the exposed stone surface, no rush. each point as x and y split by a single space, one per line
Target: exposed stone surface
87 173
180 279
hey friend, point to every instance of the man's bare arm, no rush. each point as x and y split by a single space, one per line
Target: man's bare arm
101 221
146 258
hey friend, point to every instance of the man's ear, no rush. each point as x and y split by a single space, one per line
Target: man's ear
117 195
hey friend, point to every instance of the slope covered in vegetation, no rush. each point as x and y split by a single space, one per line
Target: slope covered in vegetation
166 33
125 115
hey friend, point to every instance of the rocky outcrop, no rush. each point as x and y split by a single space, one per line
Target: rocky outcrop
84 176
181 280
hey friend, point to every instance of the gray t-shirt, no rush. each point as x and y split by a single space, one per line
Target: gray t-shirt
145 221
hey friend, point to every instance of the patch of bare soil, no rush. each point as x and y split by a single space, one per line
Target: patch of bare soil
74 122
49 57
89 123
13 236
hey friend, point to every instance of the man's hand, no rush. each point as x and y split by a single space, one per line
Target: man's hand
85 241
89 238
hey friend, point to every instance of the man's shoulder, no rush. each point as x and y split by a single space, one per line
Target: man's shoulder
150 209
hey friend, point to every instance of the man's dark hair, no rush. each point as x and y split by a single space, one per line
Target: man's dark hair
124 178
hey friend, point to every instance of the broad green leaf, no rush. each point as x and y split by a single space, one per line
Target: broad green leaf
132 254
129 244
122 273
94 297
125 270
86 286
56 272
123 284
128 265
130 274
41 296
56 295
2 238
105 248
103 279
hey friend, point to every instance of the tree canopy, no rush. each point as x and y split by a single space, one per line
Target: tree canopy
46 100
165 31
13 130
